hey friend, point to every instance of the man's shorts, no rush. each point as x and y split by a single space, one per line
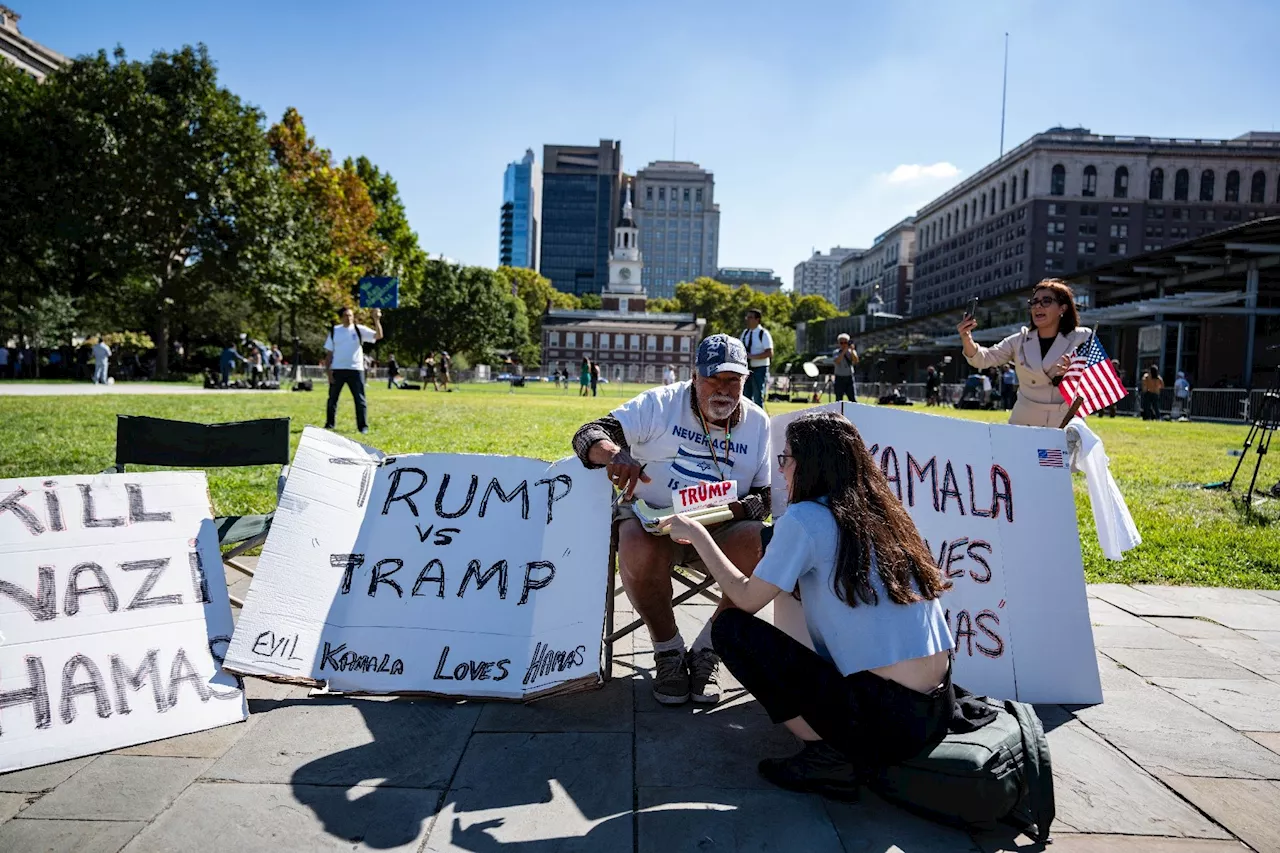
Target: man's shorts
687 555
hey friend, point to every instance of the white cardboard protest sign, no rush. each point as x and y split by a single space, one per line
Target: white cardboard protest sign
999 516
451 574
113 615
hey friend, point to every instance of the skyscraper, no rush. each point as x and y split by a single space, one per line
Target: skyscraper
521 195
820 275
680 224
581 205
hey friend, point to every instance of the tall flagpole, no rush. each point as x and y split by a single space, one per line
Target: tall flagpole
1004 91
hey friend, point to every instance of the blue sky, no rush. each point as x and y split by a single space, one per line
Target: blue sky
823 122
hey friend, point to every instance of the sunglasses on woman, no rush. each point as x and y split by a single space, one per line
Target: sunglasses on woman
1043 302
782 459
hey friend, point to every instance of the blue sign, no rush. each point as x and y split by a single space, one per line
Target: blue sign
379 292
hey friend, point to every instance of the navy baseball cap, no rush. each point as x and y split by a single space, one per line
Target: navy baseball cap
720 353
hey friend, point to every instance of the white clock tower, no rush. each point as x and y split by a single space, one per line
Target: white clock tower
625 292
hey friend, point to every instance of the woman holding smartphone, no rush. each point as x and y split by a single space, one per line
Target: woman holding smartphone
1040 354
876 689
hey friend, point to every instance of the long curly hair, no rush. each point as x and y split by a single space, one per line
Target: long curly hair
831 460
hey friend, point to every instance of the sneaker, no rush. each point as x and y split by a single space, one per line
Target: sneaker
818 769
704 676
671 682
364 430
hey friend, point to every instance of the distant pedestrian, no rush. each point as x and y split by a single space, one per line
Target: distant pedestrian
1152 385
932 386
277 362
442 370
4 362
584 377
1181 396
1008 387
759 344
595 378
344 364
227 361
845 360
669 375
101 361
393 371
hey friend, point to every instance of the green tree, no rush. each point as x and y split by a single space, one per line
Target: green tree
662 305
537 294
403 257
47 321
191 164
806 309
339 198
591 301
460 309
62 197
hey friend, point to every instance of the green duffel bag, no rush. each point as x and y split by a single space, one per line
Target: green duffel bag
1000 772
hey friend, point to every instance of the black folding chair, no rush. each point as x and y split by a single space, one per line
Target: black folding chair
181 444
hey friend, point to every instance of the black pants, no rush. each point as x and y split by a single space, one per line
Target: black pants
873 721
1150 406
354 378
844 388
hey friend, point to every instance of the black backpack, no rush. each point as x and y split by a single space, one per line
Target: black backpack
1000 772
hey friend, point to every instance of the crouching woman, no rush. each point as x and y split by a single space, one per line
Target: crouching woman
877 688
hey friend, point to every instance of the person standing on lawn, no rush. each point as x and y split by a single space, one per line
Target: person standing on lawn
759 344
442 370
393 371
595 378
1055 328
584 377
344 363
846 359
101 360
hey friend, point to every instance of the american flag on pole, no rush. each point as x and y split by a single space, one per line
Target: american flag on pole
1093 377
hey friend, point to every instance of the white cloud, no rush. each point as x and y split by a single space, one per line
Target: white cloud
915 172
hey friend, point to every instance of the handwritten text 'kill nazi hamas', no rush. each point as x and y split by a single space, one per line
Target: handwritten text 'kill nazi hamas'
132 591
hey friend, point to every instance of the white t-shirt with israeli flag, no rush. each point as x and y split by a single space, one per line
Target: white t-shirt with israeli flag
666 435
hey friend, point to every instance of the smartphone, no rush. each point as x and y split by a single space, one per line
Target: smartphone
972 310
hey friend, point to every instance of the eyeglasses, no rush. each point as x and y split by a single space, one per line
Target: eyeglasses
782 459
1043 302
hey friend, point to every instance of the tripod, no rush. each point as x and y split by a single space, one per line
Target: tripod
1266 420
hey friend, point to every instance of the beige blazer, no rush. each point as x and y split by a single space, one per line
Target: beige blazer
1039 403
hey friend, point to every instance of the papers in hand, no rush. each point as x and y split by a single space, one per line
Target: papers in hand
652 518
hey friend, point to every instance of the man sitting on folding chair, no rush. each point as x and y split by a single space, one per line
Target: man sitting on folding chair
668 438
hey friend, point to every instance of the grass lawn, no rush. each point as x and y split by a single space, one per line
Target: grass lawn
1191 536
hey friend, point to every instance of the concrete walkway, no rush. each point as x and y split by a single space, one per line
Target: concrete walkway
1184 756
84 389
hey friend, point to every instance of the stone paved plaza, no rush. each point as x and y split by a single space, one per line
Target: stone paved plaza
1184 756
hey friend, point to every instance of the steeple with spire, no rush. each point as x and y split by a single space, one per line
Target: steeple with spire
625 291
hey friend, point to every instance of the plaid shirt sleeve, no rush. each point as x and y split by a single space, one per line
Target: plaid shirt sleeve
601 429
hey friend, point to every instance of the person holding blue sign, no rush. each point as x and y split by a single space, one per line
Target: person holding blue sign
344 363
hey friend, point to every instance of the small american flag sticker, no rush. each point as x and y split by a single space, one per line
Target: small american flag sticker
1050 458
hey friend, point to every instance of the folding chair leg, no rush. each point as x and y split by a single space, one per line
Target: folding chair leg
689 582
237 602
675 602
609 602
